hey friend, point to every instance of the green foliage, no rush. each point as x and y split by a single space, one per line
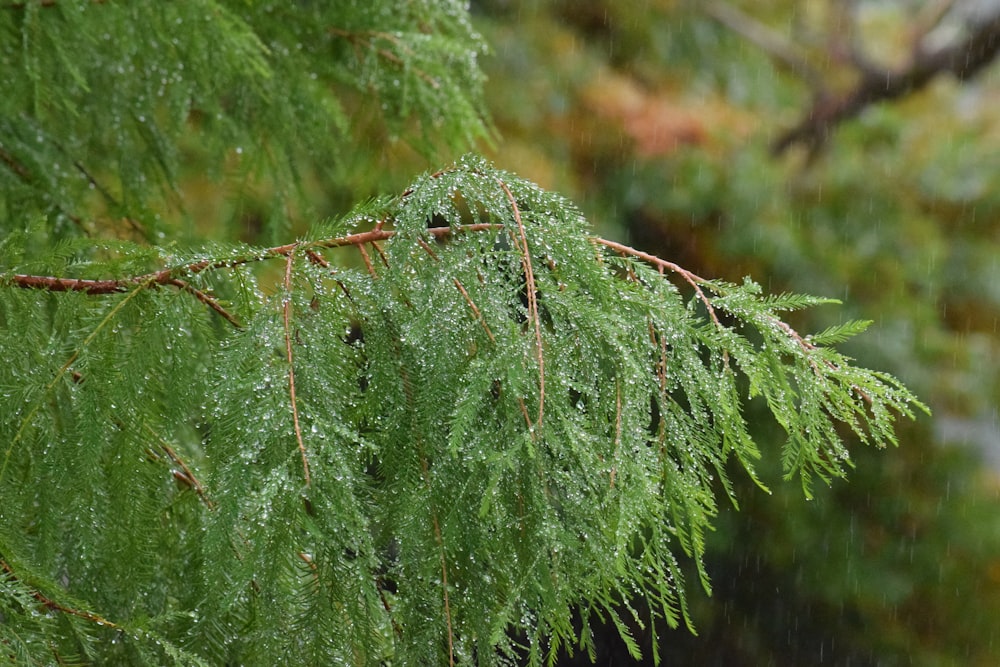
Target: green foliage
449 427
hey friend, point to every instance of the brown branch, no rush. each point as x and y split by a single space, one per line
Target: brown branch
690 278
184 475
367 260
317 259
287 316
430 251
206 299
25 175
475 310
521 239
169 276
770 41
963 60
187 475
15 166
53 284
444 585
381 254
110 199
368 37
396 628
52 604
618 431
527 417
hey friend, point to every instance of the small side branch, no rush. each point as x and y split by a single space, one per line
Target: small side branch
444 585
618 432
782 50
287 316
521 239
367 260
475 309
368 38
185 475
55 606
206 299
662 264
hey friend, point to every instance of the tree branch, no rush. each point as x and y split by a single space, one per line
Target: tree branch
167 277
521 239
287 317
25 175
52 604
963 60
770 41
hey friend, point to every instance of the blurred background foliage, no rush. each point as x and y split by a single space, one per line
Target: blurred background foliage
661 119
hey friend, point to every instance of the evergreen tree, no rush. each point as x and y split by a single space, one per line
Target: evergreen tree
450 426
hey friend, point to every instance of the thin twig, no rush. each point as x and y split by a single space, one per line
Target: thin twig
187 474
15 166
772 42
618 431
109 198
381 254
690 278
367 260
475 310
206 299
388 607
368 37
527 417
529 276
430 251
52 604
317 259
444 585
287 308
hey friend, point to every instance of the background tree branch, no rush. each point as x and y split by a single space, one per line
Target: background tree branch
962 59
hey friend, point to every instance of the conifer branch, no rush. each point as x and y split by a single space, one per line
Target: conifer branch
25 175
55 380
49 603
287 316
359 241
185 474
